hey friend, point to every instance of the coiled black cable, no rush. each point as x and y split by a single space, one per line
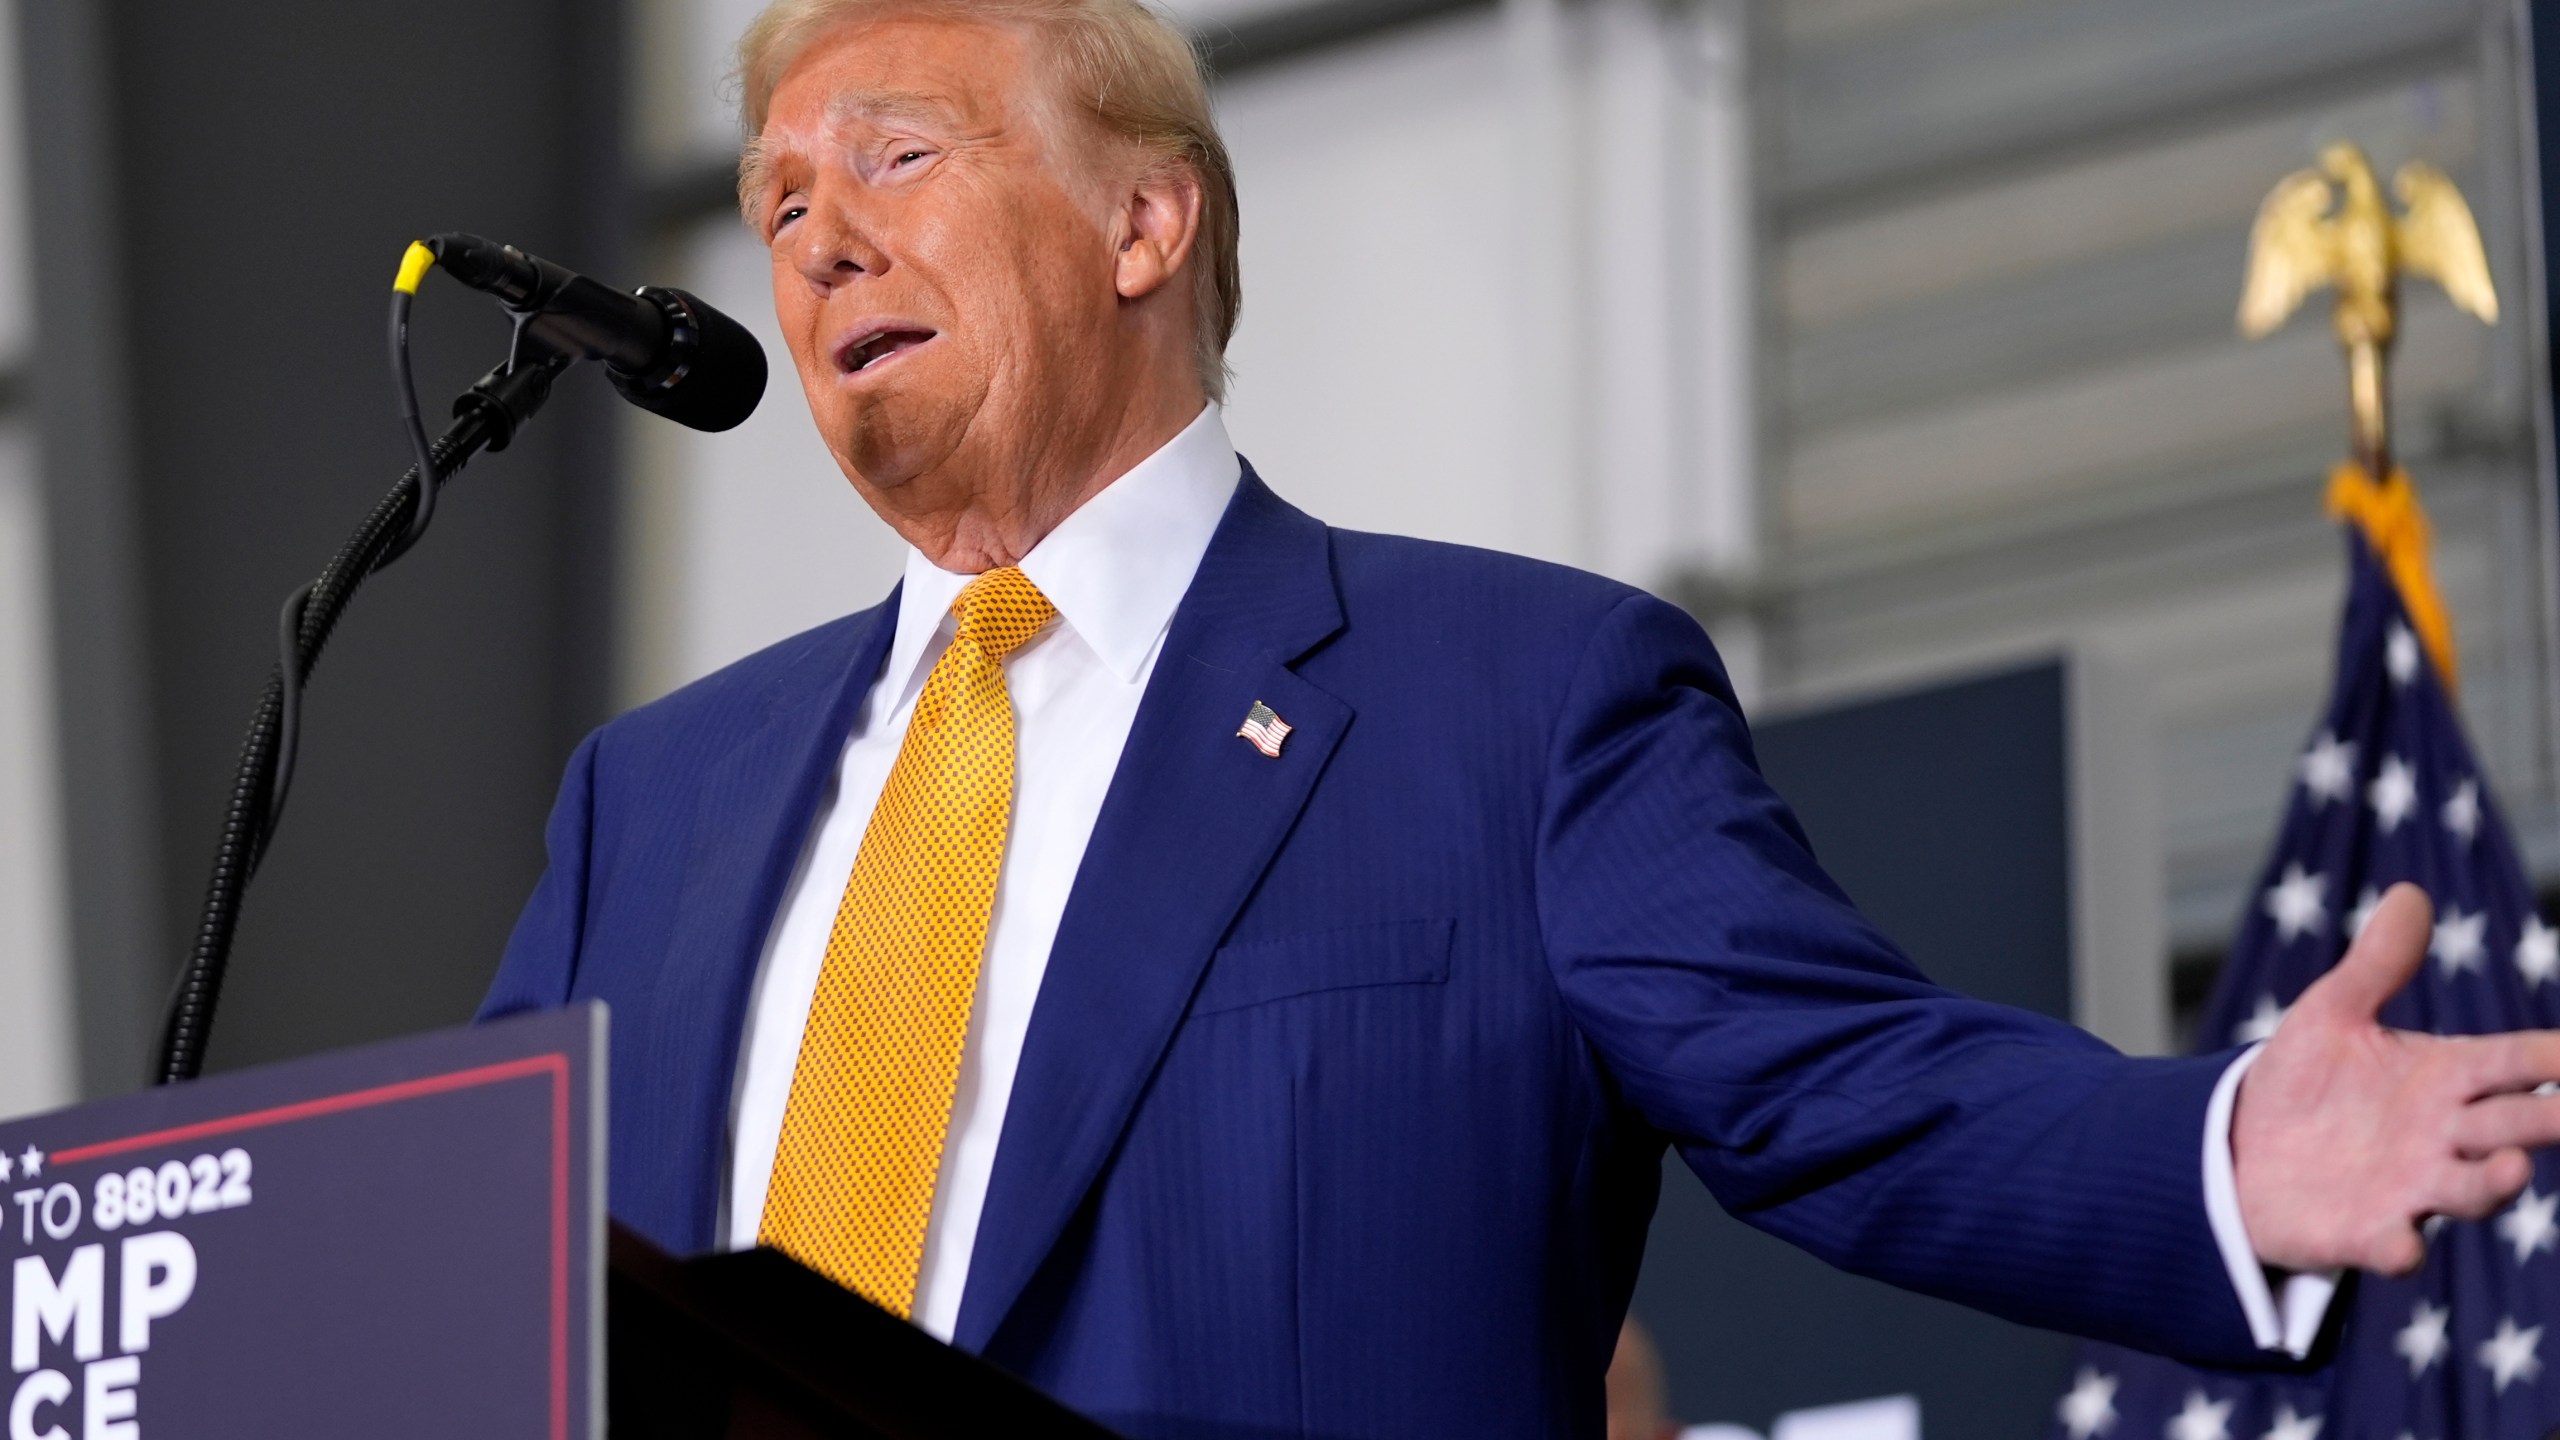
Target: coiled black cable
260 779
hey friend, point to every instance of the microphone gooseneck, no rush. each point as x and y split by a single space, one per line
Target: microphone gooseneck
663 350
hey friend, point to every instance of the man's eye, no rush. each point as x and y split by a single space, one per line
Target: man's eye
908 156
788 215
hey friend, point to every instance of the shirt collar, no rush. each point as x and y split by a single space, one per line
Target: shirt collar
1116 567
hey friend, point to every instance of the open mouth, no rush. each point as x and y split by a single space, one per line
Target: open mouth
872 351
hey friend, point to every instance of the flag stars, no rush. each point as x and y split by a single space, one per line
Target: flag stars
2262 1022
2090 1408
2394 793
2462 812
2423 1341
2292 1425
2512 1354
2328 769
2295 903
2537 951
2532 1224
2400 652
2459 943
31 1160
2202 1419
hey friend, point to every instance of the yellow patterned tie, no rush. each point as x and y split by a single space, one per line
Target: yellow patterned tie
862 1136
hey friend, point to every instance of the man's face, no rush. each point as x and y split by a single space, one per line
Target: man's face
943 274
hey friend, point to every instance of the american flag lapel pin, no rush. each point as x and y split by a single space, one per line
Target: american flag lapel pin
1264 727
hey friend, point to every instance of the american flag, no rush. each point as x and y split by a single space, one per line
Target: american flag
1265 729
2387 789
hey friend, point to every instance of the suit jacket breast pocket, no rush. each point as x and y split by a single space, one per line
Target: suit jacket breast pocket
1396 952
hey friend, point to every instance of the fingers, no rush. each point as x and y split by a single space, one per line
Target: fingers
2506 1122
2389 951
2477 1189
2489 1064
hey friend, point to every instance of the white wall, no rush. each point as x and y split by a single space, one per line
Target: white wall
1377 368
736 540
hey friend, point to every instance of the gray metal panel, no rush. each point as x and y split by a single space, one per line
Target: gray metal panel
2013 418
1892 104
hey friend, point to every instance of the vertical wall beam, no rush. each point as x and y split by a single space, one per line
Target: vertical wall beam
84 415
1552 406
1720 523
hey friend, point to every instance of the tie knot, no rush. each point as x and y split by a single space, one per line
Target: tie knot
1001 609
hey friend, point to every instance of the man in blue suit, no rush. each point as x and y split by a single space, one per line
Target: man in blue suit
1241 975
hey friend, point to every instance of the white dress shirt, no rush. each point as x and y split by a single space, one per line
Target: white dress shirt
1116 569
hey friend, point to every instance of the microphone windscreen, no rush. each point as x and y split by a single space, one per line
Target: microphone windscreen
721 386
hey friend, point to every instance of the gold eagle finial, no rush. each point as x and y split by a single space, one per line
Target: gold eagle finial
2330 226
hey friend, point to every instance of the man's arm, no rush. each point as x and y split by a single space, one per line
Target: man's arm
542 954
1823 1088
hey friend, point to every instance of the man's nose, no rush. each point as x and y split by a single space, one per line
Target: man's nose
829 248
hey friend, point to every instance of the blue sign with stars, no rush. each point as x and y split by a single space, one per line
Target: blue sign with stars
399 1240
2386 790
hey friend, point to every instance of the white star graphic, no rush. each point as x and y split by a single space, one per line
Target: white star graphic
2328 769
2400 652
2290 1426
2367 902
2532 1223
2462 812
2202 1419
2458 945
2262 1022
31 1160
2511 1355
4 1167
2538 951
2394 793
2090 1408
2422 1341
2295 903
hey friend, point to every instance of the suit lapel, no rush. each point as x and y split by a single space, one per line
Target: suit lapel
1193 816
750 823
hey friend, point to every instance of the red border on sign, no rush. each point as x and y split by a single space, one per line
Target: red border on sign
555 1066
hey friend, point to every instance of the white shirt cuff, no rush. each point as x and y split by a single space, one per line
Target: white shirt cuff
2289 1322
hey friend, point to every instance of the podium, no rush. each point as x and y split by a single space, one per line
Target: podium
756 1345
409 1240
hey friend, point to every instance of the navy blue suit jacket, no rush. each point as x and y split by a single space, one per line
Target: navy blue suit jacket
1342 1108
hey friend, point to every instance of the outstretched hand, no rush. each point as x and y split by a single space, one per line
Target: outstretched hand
2347 1135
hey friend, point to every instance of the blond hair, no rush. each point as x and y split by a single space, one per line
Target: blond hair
1119 63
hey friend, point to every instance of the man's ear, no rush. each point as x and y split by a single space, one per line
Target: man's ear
1159 225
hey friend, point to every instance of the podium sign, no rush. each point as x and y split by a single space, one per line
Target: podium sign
399 1240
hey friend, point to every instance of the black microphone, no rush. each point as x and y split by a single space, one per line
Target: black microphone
664 350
